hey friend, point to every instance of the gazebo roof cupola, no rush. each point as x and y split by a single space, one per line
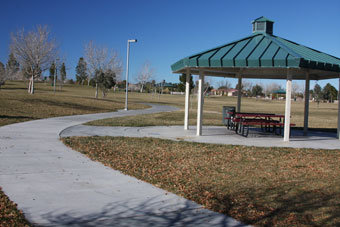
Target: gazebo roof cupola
263 25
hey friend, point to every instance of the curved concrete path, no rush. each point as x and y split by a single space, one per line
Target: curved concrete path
56 186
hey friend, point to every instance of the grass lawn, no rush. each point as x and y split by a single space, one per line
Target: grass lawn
258 186
322 116
166 119
17 105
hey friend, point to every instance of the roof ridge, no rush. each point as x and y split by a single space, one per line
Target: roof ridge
320 52
283 46
224 45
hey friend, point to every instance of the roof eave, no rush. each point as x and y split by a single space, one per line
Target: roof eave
179 65
319 66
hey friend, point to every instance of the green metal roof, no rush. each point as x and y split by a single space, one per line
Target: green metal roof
258 51
262 19
262 55
280 91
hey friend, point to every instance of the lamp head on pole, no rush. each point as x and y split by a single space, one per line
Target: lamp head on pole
132 40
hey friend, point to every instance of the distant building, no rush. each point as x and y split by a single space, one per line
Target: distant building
232 92
224 92
134 87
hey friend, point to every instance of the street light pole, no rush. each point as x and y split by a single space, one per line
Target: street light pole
55 73
127 71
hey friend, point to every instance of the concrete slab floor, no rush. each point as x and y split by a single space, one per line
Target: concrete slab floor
212 134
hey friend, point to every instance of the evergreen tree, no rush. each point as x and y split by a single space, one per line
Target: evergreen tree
2 74
63 72
12 66
52 71
183 79
81 71
256 90
329 92
104 80
2 68
236 87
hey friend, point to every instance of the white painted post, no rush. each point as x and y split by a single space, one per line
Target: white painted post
239 94
200 103
338 134
306 115
187 100
288 107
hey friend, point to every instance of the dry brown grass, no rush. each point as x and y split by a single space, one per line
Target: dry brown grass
166 119
9 214
258 186
322 116
17 105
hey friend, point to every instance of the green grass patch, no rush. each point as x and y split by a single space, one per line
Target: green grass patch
258 186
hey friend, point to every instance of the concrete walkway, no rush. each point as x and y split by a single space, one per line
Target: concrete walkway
56 186
212 134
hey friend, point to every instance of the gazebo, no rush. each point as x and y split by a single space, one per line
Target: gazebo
261 55
279 92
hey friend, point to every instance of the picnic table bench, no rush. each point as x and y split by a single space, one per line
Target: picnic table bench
240 122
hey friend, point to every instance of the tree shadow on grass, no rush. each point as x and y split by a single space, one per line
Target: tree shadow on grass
13 88
67 105
17 117
152 212
284 207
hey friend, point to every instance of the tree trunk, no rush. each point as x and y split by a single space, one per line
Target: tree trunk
29 86
141 89
96 91
88 81
32 86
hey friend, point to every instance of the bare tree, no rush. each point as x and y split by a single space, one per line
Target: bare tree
145 75
247 87
224 84
207 85
271 87
295 89
35 51
101 59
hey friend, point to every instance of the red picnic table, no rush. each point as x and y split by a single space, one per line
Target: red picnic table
240 122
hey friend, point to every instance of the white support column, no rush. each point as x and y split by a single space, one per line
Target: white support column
338 134
288 106
239 94
200 103
187 100
305 124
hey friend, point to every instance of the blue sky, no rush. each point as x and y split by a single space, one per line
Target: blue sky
168 30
